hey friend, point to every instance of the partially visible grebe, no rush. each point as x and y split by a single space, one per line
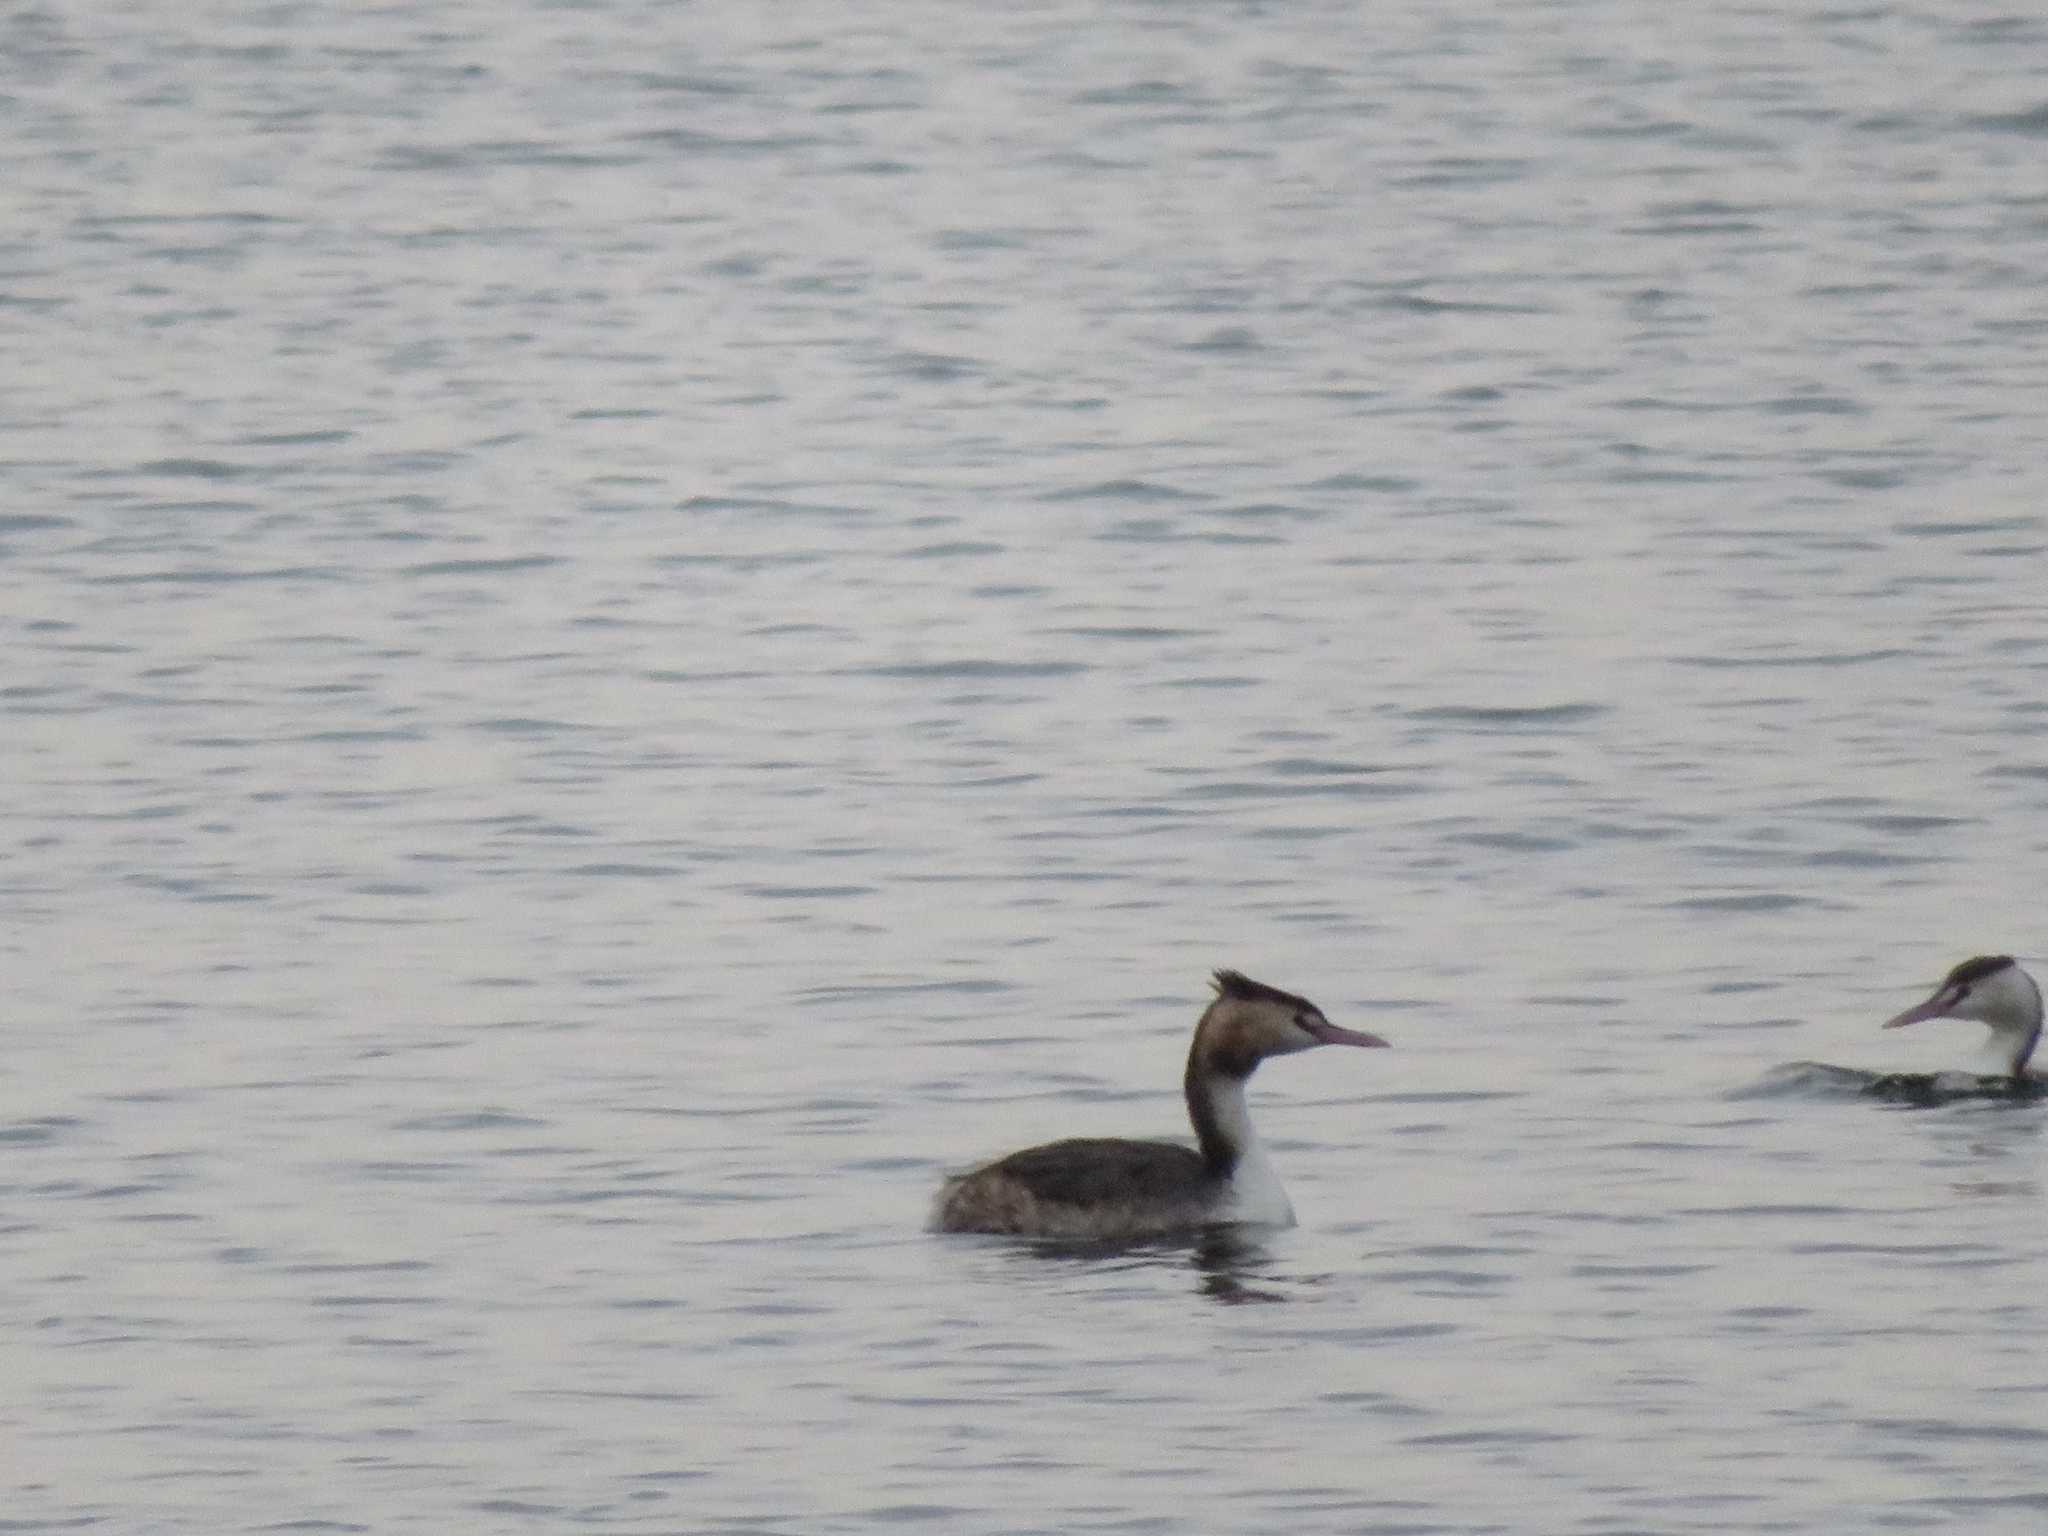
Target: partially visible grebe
1993 990
1099 1188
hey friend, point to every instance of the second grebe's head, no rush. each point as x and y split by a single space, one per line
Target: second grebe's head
1993 990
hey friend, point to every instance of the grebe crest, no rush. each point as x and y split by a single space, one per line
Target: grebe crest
1097 1188
1994 991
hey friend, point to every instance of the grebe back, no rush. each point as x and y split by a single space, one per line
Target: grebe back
1100 1188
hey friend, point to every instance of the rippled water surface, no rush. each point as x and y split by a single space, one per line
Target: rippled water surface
632 630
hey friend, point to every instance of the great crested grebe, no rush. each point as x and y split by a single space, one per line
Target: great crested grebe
1101 1188
1993 990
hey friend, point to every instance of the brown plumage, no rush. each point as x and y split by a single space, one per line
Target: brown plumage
1100 1187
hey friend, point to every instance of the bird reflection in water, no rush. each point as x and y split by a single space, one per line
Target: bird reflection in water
1229 1258
2004 1150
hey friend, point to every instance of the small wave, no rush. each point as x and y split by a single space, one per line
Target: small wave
972 667
2032 122
1752 901
1807 1080
482 567
1509 717
471 1120
1121 490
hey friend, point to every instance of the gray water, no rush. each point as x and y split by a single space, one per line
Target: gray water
632 630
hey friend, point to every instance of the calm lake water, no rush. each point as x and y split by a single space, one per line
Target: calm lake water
631 630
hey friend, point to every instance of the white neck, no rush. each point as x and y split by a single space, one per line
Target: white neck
2029 1041
1255 1191
2015 1025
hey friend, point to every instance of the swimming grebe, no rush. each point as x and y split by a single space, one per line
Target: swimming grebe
1993 990
1099 1188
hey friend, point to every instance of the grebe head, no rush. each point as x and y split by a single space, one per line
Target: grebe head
1250 1021
1993 990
